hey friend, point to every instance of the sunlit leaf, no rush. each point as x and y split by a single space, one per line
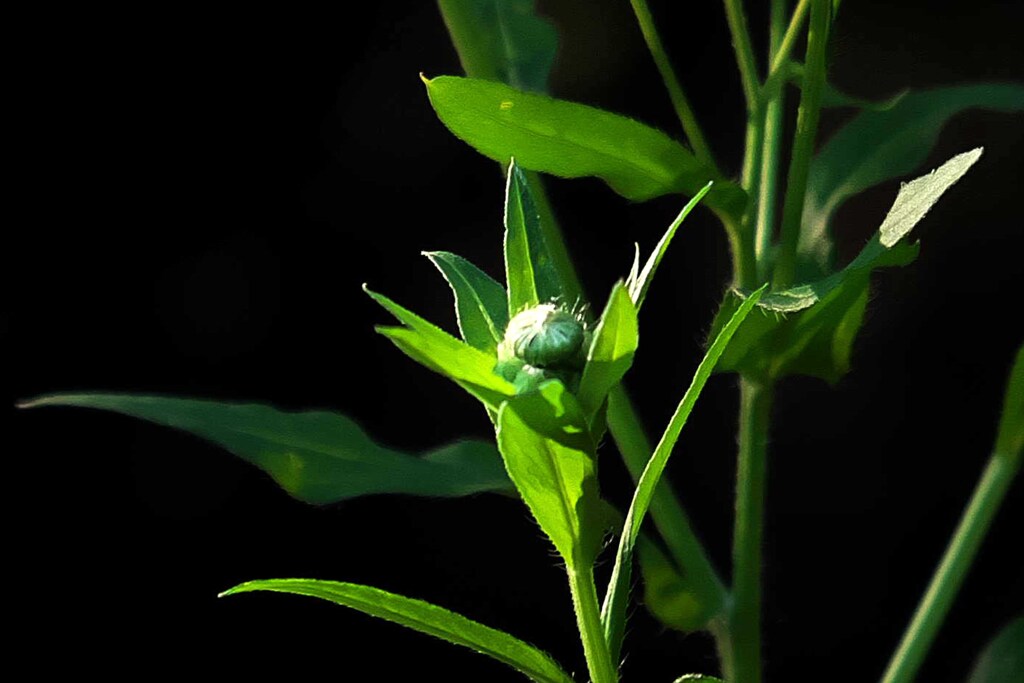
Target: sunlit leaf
573 141
437 350
480 303
611 352
316 456
420 616
876 146
529 272
549 456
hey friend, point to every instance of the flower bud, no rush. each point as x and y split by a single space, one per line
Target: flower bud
545 336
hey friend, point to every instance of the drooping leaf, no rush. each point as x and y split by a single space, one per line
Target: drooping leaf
614 610
529 272
573 141
318 457
1002 660
423 617
480 303
642 282
434 348
876 146
1010 439
502 40
611 351
810 329
543 438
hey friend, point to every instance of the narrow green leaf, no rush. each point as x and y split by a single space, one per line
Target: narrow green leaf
833 97
876 146
317 457
1002 660
529 271
423 617
480 303
634 270
573 141
549 456
616 599
918 196
611 351
643 282
698 678
502 40
1010 439
437 350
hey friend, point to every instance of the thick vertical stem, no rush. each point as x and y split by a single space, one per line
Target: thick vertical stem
745 615
770 151
803 145
588 619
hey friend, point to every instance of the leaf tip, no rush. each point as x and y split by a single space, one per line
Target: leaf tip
426 81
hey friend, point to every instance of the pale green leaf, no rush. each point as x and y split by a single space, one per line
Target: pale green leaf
573 141
918 196
317 457
876 146
423 617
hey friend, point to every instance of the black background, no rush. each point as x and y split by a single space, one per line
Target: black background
197 195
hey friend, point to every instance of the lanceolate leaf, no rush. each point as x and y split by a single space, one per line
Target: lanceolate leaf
611 351
423 617
480 302
573 141
543 438
317 457
502 40
430 346
529 271
614 610
642 282
810 329
876 146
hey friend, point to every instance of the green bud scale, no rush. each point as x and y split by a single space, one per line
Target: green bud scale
547 341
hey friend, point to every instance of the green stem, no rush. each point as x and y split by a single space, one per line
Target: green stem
744 52
803 145
675 91
778 58
588 619
745 615
963 547
746 268
771 148
668 515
